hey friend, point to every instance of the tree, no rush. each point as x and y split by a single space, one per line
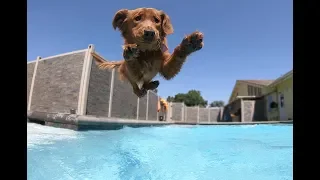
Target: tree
170 99
217 104
191 98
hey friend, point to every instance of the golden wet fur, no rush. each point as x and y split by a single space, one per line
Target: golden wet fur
144 59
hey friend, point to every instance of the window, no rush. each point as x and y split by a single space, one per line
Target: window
259 92
255 91
269 101
282 101
273 105
250 90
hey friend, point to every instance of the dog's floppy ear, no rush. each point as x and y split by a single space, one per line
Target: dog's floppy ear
119 18
166 23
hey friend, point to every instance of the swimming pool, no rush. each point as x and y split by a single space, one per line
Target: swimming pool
248 152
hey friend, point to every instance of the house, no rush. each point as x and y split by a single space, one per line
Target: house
246 92
248 88
260 100
279 98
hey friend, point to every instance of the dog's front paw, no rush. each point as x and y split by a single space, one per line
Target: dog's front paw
130 52
192 42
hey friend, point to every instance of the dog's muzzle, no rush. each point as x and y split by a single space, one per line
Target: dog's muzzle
148 35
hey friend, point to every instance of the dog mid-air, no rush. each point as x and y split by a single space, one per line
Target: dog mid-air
145 49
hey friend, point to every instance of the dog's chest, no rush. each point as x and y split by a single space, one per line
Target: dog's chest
149 68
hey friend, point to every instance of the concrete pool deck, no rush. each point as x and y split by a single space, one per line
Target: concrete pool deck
83 122
236 123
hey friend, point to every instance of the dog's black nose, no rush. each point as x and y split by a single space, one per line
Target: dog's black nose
148 34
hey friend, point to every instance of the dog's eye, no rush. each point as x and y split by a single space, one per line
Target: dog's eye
138 18
156 20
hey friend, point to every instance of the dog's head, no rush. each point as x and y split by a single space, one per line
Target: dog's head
146 27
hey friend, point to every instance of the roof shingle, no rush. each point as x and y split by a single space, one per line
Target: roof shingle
259 82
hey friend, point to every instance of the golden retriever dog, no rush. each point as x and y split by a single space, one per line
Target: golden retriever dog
145 49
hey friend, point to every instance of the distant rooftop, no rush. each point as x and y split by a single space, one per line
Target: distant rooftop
258 82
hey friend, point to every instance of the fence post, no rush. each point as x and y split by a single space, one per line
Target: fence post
182 112
169 113
111 92
147 109
158 109
138 107
32 82
208 115
198 117
85 78
185 112
242 110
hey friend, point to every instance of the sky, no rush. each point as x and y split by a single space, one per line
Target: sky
243 39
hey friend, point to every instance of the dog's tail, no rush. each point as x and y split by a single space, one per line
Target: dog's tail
107 65
110 65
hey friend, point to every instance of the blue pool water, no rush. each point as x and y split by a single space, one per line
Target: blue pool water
249 152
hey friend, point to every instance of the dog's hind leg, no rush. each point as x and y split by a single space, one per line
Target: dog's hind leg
136 90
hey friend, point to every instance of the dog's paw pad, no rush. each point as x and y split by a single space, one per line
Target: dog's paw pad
193 42
130 52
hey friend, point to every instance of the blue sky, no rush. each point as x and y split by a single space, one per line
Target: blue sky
244 39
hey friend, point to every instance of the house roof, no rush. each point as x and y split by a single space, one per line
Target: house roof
281 78
258 82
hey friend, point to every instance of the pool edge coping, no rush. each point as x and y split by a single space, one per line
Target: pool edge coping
87 122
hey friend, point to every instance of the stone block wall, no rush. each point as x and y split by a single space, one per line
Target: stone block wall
153 106
98 91
215 114
180 112
191 114
142 108
176 111
204 114
253 110
57 88
124 101
57 82
30 70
